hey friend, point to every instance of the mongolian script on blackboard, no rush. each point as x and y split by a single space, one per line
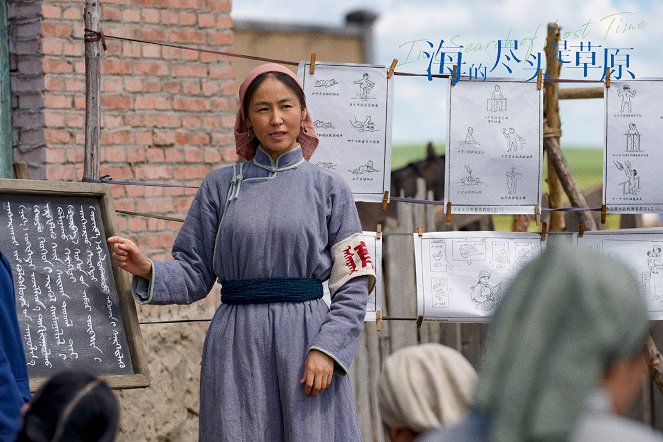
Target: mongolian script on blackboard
66 300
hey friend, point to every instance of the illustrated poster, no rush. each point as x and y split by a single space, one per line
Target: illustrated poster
633 152
350 105
494 147
641 251
462 276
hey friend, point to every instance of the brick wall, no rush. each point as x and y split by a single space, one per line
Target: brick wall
167 114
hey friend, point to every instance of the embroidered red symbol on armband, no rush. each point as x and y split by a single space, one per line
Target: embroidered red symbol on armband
364 256
350 260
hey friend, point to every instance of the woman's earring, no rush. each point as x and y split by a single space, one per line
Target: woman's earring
302 128
249 133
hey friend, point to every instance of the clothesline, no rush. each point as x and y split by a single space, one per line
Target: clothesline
91 35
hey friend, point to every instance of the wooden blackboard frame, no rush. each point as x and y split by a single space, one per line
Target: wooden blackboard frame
141 376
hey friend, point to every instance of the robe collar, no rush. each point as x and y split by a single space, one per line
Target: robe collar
285 161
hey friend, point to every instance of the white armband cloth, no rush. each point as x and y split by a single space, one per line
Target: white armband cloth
350 259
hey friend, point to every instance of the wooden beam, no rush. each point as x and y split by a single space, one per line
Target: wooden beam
580 92
92 92
6 139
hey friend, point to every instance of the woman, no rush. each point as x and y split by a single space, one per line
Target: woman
72 406
565 359
270 230
423 387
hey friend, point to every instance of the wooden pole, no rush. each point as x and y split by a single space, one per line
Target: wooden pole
92 89
6 139
552 120
580 92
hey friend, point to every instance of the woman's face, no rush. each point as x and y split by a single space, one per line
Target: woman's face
275 115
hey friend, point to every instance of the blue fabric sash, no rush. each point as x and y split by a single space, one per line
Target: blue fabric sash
266 290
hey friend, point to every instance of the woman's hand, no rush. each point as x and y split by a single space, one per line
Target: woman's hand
318 373
128 256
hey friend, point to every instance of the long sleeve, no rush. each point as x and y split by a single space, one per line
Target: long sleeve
340 331
190 275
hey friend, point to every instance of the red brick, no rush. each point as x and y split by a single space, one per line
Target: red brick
191 104
224 22
169 17
116 137
27 119
55 155
109 13
155 155
73 13
52 83
51 47
27 84
111 84
152 86
137 224
187 18
131 15
79 67
74 120
57 66
151 15
113 154
74 49
109 121
143 137
151 51
133 120
49 10
136 155
163 103
56 29
79 138
57 136
79 102
116 102
212 156
193 155
191 87
162 120
53 119
188 70
206 20
152 172
190 55
187 36
184 4
115 67
199 138
222 71
172 87
151 34
134 191
33 101
57 101
133 85
151 68
33 137
191 121
162 138
191 172
74 85
222 104
29 47
219 5
210 87
61 172
131 49
144 102
174 155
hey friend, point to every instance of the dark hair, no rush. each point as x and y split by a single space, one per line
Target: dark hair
72 406
284 78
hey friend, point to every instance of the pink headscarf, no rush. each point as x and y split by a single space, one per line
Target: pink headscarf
246 145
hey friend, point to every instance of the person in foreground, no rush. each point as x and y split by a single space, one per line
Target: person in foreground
14 387
565 358
72 406
423 387
270 230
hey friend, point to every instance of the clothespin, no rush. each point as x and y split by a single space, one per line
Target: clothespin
604 213
420 319
453 74
581 230
420 230
385 200
378 320
539 80
378 232
448 212
537 215
544 230
607 77
390 72
311 69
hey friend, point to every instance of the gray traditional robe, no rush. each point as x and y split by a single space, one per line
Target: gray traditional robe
279 222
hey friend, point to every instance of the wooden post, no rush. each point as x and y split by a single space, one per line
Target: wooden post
92 92
552 120
6 140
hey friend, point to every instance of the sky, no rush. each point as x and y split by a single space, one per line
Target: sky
405 26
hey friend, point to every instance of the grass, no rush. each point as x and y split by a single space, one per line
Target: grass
586 165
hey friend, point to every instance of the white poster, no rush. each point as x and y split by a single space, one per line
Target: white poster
494 147
462 276
351 105
633 151
642 252
376 297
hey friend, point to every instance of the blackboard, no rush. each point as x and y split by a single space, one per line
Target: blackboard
73 304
